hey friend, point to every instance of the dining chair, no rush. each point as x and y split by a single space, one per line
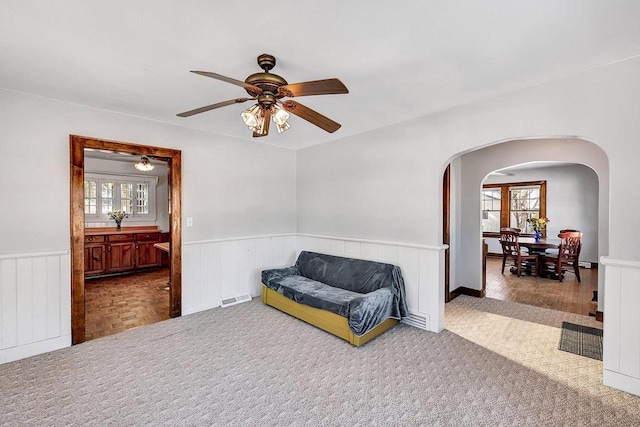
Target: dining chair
568 255
511 249
554 251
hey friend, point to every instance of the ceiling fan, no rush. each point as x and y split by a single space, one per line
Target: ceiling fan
268 90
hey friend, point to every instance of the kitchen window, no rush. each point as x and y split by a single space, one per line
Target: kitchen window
130 193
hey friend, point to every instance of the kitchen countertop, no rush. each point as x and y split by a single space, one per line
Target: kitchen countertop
98 231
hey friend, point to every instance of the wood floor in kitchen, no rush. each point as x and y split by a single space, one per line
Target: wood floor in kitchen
115 304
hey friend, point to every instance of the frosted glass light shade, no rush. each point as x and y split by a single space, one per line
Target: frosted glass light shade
280 116
281 128
251 115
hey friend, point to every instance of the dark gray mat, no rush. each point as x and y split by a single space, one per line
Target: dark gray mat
581 340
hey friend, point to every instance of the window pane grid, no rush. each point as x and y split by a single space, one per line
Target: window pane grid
106 193
107 196
525 204
491 203
90 197
126 197
142 198
524 201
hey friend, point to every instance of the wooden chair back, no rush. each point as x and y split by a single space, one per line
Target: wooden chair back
515 230
570 245
509 241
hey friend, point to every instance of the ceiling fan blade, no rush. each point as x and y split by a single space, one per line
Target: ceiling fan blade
315 87
311 116
255 90
213 107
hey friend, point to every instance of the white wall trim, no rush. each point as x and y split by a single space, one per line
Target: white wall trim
378 242
619 262
621 345
35 303
35 254
221 268
230 239
621 382
16 353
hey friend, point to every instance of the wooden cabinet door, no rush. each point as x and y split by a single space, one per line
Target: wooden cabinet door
120 256
147 255
94 259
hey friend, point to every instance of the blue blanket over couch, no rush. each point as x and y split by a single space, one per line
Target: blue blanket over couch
365 292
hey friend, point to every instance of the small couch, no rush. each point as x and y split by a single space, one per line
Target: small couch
351 298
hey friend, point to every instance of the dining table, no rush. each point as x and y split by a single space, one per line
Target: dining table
537 247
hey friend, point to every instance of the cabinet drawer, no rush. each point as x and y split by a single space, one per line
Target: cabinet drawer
141 237
121 237
94 239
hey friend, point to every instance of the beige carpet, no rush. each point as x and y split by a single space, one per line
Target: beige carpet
497 364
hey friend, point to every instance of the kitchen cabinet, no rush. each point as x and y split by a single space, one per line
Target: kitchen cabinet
108 251
146 254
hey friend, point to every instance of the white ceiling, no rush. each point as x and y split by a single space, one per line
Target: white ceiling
400 60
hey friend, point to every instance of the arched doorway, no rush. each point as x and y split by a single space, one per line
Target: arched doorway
468 170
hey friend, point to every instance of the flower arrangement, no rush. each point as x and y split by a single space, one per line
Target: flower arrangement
538 224
118 216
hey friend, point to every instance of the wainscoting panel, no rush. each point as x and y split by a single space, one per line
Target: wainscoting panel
420 264
225 268
621 356
35 304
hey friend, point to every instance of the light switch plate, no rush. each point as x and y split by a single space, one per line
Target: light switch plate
189 222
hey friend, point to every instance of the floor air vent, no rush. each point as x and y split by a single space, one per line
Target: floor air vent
226 302
416 320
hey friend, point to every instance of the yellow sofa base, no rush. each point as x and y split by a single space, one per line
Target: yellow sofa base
325 320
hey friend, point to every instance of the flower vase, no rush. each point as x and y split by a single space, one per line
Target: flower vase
118 225
537 235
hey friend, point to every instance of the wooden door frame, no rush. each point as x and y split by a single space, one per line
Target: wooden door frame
446 229
174 165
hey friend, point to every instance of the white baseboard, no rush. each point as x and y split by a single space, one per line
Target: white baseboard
20 352
621 382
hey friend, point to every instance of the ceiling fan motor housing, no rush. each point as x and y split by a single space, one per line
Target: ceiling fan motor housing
268 82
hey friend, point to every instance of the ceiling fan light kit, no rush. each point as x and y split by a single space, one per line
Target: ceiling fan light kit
268 89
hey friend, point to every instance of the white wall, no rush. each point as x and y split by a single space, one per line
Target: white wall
383 184
572 202
387 184
230 188
121 167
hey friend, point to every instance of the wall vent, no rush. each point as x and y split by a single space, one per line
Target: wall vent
417 320
226 302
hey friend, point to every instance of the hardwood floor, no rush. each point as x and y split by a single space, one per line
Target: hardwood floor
115 304
569 296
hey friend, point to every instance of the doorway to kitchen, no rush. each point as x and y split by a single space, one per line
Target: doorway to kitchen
123 250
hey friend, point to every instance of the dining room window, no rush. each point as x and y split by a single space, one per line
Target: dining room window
491 207
511 204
